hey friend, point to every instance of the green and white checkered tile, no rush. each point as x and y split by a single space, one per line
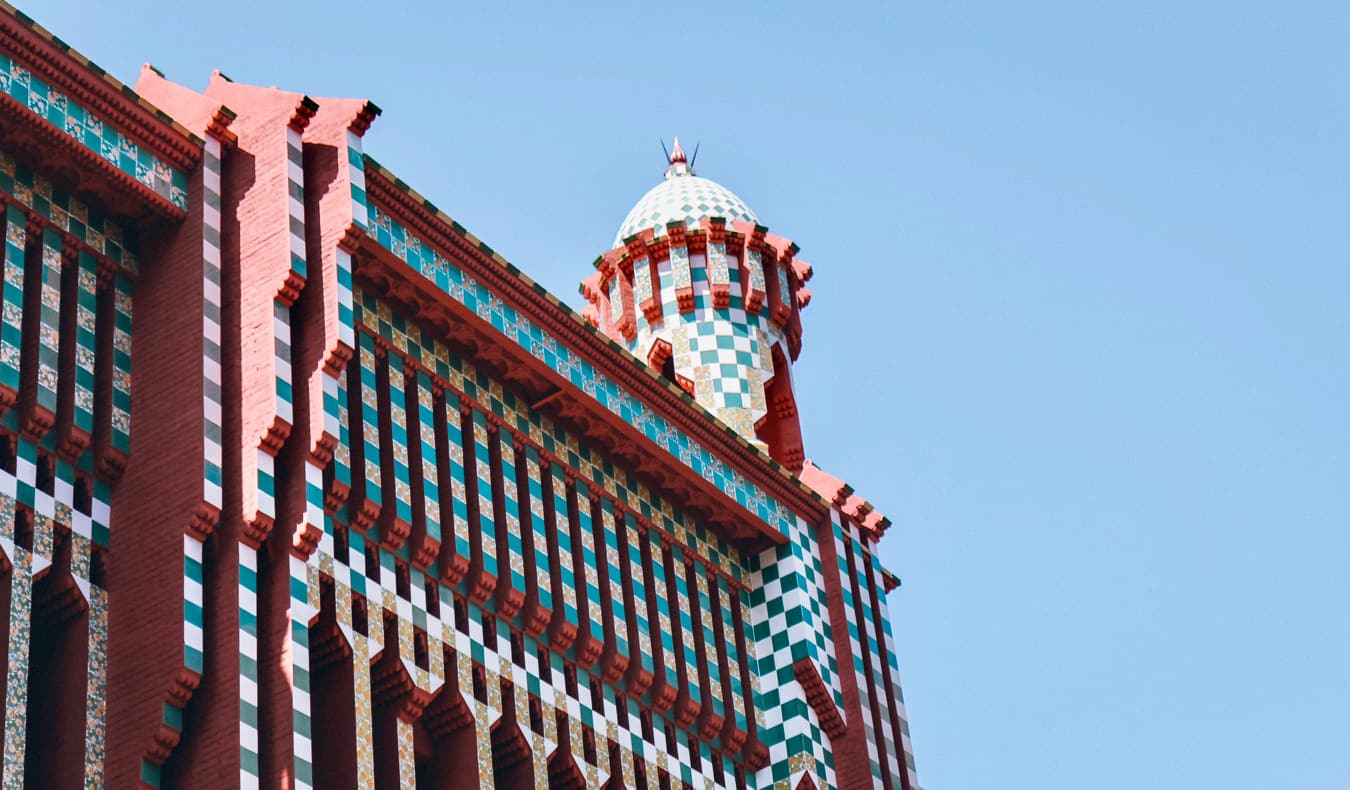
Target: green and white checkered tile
884 615
687 198
281 332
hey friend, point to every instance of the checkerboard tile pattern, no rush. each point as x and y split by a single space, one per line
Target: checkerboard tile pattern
789 621
726 352
688 198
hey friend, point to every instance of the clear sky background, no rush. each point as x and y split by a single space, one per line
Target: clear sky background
1080 322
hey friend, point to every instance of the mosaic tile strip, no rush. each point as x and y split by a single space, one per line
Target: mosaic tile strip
365 414
362 645
476 442
346 318
732 677
430 495
642 283
11 330
92 132
703 630
86 307
667 672
101 235
684 588
617 616
719 271
16 682
562 534
121 375
397 442
337 420
639 625
591 630
49 321
886 736
754 266
96 687
681 278
615 302
534 495
455 444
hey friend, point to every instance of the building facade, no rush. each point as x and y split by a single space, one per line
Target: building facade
371 508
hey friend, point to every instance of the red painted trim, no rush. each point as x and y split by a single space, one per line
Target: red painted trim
819 697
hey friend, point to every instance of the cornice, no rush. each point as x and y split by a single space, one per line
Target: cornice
88 84
52 136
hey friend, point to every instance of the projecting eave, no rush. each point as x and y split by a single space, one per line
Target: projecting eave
633 374
841 495
67 116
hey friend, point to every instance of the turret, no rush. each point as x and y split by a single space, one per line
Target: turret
712 300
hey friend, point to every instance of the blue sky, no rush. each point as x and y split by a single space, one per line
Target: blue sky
1080 321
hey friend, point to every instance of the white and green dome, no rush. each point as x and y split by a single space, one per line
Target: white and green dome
682 196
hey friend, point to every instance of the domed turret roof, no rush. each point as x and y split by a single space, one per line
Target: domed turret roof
682 196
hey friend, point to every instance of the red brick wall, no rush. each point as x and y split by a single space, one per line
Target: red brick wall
155 502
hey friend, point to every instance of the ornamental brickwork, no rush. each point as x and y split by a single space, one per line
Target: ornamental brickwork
377 510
